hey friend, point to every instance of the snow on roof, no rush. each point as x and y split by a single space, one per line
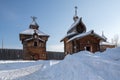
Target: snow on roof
106 43
31 31
70 34
33 38
74 24
85 34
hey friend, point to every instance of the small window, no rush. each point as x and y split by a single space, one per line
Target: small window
35 43
35 36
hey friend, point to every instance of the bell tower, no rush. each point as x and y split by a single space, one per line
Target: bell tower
34 42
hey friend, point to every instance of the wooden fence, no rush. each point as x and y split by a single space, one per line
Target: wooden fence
17 54
55 55
11 54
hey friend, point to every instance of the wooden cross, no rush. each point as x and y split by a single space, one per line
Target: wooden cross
34 18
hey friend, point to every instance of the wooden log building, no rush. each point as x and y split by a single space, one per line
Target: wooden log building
34 42
77 39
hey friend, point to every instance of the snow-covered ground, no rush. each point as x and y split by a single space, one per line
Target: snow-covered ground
79 66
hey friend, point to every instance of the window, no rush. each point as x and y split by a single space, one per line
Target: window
35 36
35 44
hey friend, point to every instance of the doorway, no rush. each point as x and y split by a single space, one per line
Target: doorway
88 48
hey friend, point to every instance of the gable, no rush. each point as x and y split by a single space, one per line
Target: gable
89 39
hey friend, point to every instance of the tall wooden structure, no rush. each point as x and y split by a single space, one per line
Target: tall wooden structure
34 42
77 39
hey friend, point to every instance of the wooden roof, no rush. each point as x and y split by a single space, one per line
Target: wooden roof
79 36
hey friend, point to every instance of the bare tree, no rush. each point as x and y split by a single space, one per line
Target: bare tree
115 40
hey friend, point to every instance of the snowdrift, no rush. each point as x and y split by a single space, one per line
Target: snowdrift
79 66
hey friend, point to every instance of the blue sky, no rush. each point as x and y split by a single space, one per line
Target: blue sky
55 17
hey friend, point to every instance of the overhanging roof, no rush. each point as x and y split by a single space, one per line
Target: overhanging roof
79 36
31 31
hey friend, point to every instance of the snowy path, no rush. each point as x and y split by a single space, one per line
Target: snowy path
15 73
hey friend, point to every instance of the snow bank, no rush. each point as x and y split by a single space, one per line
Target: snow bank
111 54
79 66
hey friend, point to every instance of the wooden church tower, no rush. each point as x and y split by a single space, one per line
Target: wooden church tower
34 42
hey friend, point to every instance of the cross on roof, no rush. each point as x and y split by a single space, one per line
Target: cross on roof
34 18
76 10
